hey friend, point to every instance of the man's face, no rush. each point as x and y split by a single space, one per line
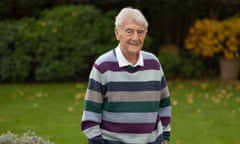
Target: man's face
131 37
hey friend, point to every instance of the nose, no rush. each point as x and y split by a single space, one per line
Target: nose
135 36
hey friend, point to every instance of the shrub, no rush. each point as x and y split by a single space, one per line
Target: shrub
64 42
28 137
60 45
169 61
190 66
14 63
182 65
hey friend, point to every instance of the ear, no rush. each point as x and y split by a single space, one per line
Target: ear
117 33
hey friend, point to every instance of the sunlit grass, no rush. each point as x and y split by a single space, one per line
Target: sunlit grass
51 110
203 111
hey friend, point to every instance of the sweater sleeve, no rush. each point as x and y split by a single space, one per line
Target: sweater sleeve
165 110
92 114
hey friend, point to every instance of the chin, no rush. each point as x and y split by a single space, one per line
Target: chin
134 50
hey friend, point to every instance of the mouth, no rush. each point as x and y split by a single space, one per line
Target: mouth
134 43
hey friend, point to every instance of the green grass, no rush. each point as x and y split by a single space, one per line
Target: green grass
53 111
203 111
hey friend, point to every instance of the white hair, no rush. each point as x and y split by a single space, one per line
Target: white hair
133 14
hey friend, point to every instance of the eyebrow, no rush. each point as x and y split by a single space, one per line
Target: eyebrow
127 29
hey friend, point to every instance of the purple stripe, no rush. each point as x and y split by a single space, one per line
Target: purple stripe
165 120
151 64
105 66
88 124
129 128
113 66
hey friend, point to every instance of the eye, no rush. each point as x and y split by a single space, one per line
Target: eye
140 32
129 31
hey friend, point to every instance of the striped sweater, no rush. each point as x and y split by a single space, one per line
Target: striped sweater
126 105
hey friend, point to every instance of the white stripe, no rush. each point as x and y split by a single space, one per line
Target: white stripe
91 116
147 75
92 132
108 56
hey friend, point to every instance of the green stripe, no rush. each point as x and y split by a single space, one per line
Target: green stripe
131 106
92 106
165 102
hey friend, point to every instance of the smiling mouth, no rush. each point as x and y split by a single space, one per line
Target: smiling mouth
134 43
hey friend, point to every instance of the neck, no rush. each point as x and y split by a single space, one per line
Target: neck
131 57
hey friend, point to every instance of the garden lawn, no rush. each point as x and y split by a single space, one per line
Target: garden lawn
204 112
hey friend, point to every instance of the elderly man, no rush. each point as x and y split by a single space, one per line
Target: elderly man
127 100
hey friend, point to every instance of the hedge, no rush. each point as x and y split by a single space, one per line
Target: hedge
58 46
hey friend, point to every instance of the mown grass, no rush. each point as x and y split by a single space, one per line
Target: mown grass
203 111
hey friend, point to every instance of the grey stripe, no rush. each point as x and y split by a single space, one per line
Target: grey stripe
94 96
165 112
165 93
130 117
127 96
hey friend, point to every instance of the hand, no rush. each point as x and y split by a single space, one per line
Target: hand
164 142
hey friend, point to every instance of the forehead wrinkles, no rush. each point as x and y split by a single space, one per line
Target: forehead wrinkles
131 24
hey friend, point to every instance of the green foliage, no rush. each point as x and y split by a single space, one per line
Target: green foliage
69 38
190 66
59 46
183 65
169 61
14 63
28 137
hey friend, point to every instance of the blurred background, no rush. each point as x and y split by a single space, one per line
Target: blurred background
58 40
47 48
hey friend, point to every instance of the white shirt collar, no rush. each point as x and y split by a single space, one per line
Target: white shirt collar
122 61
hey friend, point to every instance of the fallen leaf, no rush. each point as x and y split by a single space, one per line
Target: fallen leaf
175 102
216 100
206 96
237 142
238 86
79 85
70 108
190 98
35 105
180 86
39 95
21 92
237 99
79 95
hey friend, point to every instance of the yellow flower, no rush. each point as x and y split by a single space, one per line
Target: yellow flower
208 38
227 54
